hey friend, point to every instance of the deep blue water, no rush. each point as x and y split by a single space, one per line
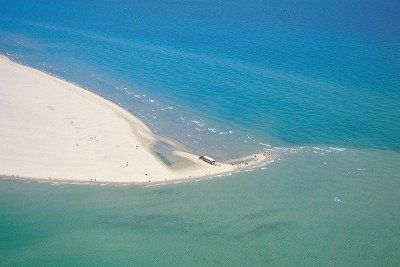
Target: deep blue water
282 72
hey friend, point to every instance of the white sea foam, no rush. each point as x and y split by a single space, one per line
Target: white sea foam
200 123
337 199
338 148
263 144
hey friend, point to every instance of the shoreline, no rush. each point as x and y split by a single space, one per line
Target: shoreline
126 183
48 88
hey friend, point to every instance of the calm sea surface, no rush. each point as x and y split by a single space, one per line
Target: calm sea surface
319 83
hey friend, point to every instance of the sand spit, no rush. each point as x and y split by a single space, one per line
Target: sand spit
53 130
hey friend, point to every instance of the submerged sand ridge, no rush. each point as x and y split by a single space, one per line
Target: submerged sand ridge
52 129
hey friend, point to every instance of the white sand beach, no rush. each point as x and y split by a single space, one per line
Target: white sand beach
52 129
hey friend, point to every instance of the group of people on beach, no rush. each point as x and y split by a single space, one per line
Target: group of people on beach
254 160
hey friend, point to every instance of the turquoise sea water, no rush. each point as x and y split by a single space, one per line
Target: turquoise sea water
317 82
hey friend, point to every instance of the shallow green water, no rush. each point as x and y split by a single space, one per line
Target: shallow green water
298 211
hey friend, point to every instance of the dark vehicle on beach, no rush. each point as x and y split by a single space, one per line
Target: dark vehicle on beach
207 159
